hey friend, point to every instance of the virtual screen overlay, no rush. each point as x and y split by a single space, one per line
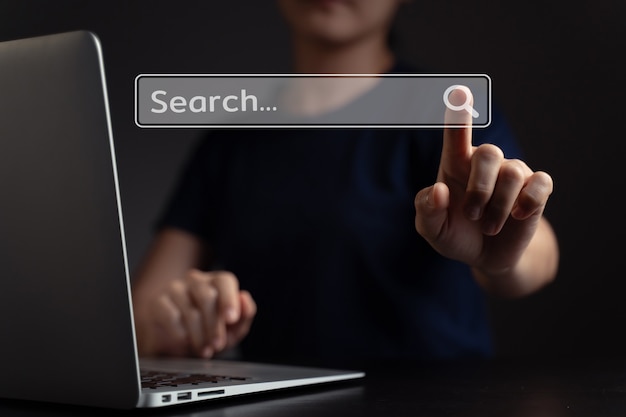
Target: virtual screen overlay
310 100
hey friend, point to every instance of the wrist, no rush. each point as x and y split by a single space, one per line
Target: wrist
504 282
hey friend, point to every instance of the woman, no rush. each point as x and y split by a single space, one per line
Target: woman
355 244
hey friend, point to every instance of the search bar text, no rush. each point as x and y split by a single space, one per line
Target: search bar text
307 100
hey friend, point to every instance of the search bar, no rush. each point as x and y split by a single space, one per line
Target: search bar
308 100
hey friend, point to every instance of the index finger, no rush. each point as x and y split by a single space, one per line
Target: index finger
457 135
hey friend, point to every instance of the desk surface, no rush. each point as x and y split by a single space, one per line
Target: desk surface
576 387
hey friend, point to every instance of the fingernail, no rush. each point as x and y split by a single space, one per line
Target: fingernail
207 352
429 197
232 315
517 212
218 343
490 229
473 213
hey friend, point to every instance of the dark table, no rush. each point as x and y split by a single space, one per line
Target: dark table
504 388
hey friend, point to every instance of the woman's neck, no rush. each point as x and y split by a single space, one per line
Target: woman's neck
366 56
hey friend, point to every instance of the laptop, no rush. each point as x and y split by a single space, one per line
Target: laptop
65 306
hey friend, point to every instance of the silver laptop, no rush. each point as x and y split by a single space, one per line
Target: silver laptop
65 308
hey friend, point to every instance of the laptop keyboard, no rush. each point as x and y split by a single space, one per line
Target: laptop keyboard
159 379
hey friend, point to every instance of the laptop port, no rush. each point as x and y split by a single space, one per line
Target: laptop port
184 396
166 398
207 393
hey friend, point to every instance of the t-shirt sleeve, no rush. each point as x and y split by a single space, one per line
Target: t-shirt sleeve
189 206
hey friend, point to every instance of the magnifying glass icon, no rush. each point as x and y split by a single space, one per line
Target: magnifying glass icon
465 106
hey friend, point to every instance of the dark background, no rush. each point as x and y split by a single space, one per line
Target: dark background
554 66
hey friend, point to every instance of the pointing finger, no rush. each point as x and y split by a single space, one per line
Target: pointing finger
457 136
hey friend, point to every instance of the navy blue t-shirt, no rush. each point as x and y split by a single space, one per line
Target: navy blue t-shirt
319 226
